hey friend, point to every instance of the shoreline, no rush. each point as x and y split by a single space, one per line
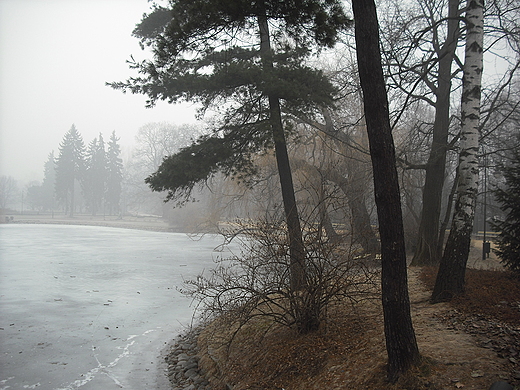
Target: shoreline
149 222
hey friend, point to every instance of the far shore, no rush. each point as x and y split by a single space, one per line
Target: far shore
145 222
159 224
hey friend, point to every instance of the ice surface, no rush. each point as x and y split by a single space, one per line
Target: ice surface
85 307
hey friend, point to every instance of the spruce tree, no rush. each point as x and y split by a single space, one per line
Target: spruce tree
94 183
114 176
49 180
508 240
70 168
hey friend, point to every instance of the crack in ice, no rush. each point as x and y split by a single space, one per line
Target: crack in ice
89 376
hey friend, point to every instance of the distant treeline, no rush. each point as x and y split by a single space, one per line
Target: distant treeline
84 178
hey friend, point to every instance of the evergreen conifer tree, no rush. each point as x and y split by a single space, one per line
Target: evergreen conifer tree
95 175
114 176
508 240
246 60
48 184
70 168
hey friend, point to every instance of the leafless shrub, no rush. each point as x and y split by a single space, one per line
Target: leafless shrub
256 283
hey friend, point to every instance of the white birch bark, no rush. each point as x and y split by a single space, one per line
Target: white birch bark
470 115
450 279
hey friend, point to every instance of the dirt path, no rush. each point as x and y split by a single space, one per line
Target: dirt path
351 354
458 361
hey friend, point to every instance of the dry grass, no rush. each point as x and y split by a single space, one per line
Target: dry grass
348 351
493 294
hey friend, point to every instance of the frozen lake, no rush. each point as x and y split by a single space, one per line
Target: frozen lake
92 307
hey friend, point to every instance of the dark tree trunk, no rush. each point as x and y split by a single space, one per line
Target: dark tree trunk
331 233
427 253
401 343
452 270
447 214
363 231
365 235
324 222
296 247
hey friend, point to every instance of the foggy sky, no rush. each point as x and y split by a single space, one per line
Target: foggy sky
55 57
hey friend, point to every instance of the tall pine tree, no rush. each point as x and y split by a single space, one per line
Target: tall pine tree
70 168
246 60
114 176
48 184
94 183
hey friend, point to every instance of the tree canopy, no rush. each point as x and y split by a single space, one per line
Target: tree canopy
210 53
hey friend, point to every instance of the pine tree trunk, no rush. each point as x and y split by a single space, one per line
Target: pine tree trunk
426 253
401 344
452 270
296 247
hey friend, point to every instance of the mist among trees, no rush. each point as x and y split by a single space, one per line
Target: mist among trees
388 139
86 179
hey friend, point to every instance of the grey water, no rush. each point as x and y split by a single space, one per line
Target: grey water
93 307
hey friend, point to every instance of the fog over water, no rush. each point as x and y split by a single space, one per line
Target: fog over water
55 57
92 307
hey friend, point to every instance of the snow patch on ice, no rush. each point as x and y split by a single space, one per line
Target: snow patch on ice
32 386
4 381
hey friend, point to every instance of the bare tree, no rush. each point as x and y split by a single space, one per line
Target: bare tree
8 191
154 141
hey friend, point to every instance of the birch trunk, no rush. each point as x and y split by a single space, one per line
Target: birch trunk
452 270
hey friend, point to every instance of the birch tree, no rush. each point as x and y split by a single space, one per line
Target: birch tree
450 279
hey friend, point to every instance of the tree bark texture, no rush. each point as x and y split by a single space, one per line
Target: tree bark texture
427 253
296 247
452 270
400 338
